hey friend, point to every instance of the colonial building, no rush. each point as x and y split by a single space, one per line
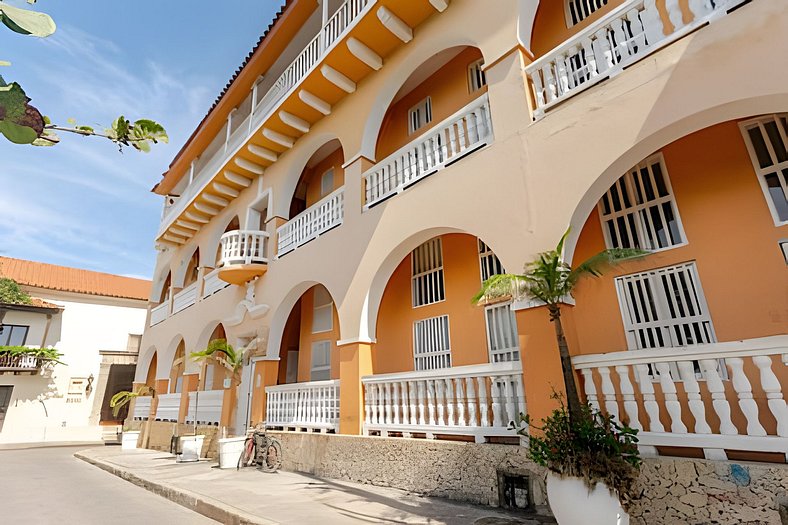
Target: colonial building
373 162
95 321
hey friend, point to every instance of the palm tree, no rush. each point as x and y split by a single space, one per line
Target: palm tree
231 358
124 397
550 280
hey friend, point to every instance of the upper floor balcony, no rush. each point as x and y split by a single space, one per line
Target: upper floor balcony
243 255
267 124
22 363
601 50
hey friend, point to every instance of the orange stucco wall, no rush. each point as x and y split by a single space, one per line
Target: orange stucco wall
730 234
449 90
312 176
307 338
393 351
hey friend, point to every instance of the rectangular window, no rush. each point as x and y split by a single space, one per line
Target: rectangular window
489 263
327 183
664 308
639 210
321 361
13 335
502 340
476 77
420 115
427 273
322 311
431 347
767 142
579 10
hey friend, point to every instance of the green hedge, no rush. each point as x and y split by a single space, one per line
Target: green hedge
47 354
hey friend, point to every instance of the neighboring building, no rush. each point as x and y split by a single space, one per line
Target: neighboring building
372 162
95 320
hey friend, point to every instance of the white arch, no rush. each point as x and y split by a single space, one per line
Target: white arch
179 274
144 360
165 359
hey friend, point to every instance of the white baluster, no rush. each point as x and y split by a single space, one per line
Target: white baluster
699 8
771 385
696 406
439 399
550 85
470 393
608 392
422 396
589 387
638 33
746 402
603 54
672 403
413 399
649 399
562 74
395 403
484 407
590 57
431 401
511 415
538 88
450 401
381 399
720 403
674 13
628 394
495 393
387 393
460 402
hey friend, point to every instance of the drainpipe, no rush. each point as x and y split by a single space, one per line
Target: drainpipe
46 331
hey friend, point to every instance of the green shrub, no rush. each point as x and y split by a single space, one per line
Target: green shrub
45 354
11 293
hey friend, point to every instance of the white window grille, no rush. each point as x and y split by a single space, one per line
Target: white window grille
327 183
489 263
322 311
767 142
579 10
664 308
502 340
431 346
321 361
427 273
420 115
639 210
477 79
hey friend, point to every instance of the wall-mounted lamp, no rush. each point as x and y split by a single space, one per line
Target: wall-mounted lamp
89 386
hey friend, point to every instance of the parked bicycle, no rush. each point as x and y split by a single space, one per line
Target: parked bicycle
262 450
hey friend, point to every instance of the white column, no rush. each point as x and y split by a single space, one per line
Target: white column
746 402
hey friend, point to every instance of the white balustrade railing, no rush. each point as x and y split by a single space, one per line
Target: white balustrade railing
477 400
312 222
168 407
205 406
243 247
627 34
677 387
185 298
159 313
212 284
462 133
141 407
19 362
340 22
312 406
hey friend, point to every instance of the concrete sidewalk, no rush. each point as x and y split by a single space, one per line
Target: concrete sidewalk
249 496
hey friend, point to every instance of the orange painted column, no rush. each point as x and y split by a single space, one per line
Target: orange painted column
355 362
268 371
542 375
190 384
228 405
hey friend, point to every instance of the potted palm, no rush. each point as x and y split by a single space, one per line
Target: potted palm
129 438
230 448
581 448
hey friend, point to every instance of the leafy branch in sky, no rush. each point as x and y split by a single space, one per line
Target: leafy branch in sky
22 123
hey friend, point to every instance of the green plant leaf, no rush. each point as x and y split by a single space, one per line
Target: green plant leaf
27 22
20 122
17 134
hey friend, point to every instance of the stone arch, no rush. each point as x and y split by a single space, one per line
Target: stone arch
161 286
146 362
212 245
179 274
657 140
166 357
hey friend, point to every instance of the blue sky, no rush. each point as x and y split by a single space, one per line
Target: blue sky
81 203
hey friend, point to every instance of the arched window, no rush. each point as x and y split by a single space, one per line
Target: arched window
579 10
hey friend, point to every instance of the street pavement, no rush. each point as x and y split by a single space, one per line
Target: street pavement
48 486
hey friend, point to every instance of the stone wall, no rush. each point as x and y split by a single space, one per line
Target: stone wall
675 491
160 433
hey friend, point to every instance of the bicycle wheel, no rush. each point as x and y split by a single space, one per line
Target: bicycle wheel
272 455
248 455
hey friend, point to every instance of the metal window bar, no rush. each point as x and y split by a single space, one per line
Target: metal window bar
767 143
427 273
431 346
502 339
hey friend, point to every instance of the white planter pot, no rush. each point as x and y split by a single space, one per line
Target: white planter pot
191 447
573 503
230 450
128 440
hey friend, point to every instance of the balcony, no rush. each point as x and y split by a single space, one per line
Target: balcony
303 406
602 50
19 363
313 222
141 410
212 284
169 407
159 313
447 142
715 397
478 401
205 407
281 116
185 298
242 256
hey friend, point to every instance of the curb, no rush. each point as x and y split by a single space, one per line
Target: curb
209 507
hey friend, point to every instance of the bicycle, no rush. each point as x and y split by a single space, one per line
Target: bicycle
263 450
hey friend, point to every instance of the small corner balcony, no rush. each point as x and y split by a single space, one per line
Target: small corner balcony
626 35
309 406
243 256
19 364
324 215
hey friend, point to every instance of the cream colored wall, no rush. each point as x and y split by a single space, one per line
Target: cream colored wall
312 176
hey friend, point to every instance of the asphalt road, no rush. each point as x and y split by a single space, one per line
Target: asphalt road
46 486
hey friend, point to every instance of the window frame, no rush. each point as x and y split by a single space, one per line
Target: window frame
635 209
440 270
424 105
12 330
514 351
323 191
445 328
761 173
320 307
476 73
322 367
570 23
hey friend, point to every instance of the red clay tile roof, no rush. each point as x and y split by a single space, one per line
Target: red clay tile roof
64 279
40 303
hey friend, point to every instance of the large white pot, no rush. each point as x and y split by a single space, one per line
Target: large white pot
191 447
230 450
128 440
573 503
